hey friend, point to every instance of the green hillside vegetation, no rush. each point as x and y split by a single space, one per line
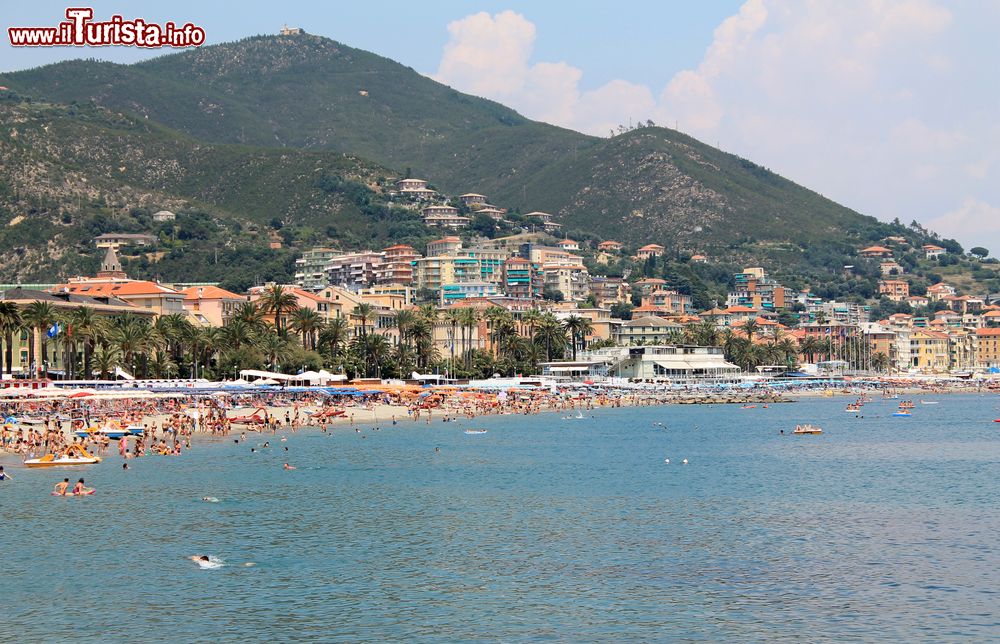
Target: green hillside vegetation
297 139
307 92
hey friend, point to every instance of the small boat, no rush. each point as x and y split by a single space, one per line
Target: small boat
749 407
110 429
74 455
807 429
902 414
906 404
928 402
475 431
853 408
135 430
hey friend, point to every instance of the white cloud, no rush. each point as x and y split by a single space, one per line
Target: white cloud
885 105
973 223
490 56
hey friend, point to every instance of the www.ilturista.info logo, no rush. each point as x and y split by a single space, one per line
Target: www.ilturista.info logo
78 30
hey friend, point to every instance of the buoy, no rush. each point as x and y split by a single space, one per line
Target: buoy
667 461
685 461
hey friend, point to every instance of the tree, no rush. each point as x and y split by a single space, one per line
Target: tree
550 334
453 317
10 323
277 301
552 294
364 312
86 325
578 327
306 322
39 317
470 322
980 252
333 336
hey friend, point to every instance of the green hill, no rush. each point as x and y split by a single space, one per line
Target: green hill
313 93
74 172
303 132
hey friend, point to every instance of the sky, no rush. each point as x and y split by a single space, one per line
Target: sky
886 106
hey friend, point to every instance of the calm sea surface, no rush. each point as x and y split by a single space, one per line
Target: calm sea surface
570 530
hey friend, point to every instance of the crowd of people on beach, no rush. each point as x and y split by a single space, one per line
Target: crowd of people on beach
164 425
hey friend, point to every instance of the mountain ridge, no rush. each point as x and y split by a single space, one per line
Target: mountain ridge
263 97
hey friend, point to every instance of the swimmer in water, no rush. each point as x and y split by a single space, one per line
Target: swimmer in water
199 558
124 466
80 488
61 487
288 467
4 475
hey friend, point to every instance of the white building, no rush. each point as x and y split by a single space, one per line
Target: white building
667 364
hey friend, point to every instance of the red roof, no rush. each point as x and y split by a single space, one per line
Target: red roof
875 249
988 332
117 289
210 293
652 247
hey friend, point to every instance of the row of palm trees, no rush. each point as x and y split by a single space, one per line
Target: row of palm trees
276 333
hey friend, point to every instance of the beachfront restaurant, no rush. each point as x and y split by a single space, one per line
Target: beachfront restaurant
679 364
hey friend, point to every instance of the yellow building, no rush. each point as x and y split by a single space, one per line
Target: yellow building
988 349
211 305
930 351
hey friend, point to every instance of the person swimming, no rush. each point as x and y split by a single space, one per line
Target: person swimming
289 467
61 487
206 562
80 488
4 475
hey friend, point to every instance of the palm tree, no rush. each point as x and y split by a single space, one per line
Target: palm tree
880 362
675 337
333 336
250 313
453 317
531 318
373 349
550 334
469 320
422 333
132 337
364 312
578 327
306 323
203 342
106 359
84 323
750 327
238 332
10 323
809 347
704 333
276 300
497 316
275 349
39 317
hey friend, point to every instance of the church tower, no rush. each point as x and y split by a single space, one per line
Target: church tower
111 267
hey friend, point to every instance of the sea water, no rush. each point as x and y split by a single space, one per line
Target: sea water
881 528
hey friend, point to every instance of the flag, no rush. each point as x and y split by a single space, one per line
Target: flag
53 330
